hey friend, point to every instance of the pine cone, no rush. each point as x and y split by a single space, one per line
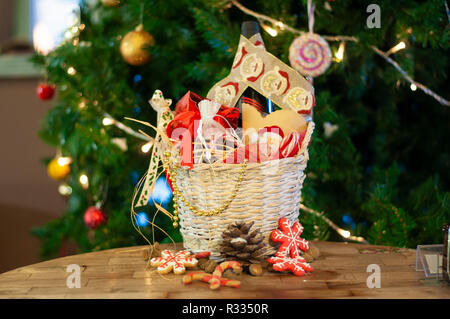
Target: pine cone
242 244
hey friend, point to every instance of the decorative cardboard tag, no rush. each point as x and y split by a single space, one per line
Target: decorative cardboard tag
253 66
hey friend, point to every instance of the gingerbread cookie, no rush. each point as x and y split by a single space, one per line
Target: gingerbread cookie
288 256
189 278
214 283
173 261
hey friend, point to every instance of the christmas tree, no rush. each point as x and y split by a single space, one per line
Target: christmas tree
379 164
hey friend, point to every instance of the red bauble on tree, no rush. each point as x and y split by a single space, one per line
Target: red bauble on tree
94 217
45 91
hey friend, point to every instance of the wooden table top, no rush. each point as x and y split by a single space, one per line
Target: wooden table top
340 272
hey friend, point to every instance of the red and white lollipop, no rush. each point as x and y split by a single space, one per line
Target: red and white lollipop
310 54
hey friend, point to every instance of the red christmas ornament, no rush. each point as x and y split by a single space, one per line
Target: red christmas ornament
45 91
94 217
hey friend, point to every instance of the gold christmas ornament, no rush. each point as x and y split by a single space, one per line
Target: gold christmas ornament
58 169
111 3
134 46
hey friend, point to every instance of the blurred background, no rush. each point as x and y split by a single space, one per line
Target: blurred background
28 198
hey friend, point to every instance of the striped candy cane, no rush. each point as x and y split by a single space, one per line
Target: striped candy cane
217 274
202 276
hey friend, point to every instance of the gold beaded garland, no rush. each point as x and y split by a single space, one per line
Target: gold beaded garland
178 196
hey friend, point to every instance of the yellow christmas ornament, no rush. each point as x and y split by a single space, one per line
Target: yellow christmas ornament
58 168
134 46
111 3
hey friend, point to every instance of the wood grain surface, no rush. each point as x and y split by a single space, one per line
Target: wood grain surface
340 272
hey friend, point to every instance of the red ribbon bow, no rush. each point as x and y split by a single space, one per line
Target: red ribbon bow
187 116
186 112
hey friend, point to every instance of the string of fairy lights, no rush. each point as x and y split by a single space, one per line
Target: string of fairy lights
342 232
272 27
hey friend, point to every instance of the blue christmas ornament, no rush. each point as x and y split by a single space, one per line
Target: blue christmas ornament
134 175
347 219
137 78
141 219
137 110
161 193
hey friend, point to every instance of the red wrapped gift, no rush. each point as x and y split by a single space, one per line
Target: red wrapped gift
291 144
187 116
262 152
186 112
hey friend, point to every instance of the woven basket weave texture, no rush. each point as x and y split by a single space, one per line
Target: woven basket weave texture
269 191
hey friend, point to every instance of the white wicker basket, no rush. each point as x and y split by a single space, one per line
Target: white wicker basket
268 191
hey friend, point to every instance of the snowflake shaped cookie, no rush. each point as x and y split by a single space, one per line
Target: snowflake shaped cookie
288 256
298 266
173 261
